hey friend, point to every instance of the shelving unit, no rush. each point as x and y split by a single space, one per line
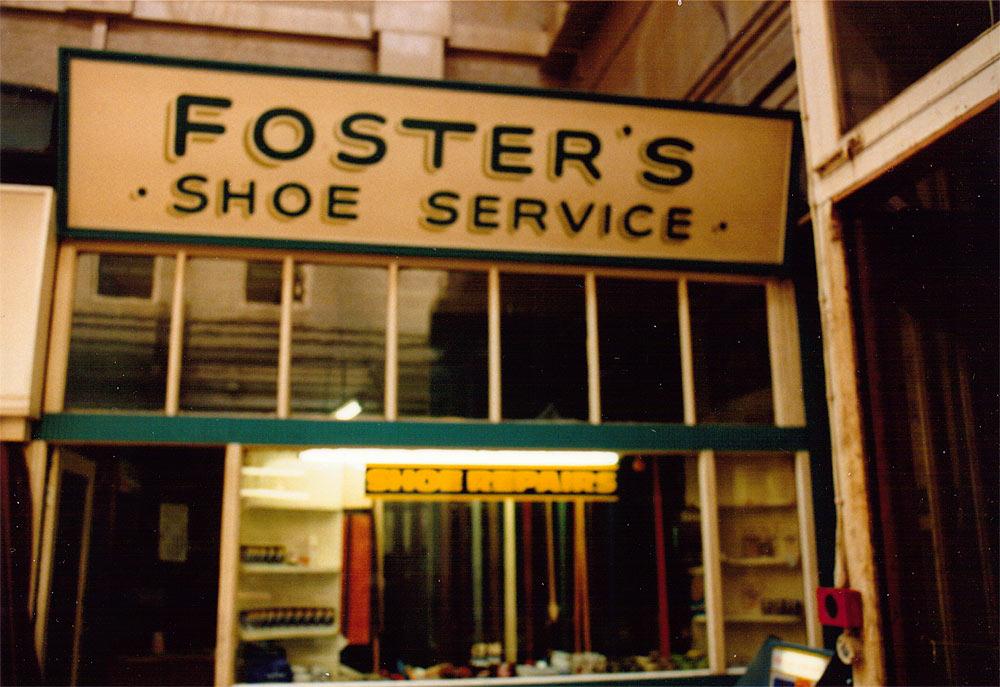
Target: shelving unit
249 635
285 569
775 619
760 559
297 510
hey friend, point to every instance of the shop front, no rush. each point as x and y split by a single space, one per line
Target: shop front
423 380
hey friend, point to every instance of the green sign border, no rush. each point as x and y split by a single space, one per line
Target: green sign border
66 55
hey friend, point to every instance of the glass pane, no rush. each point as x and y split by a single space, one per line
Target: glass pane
264 282
759 544
444 591
338 342
732 366
640 351
883 47
118 346
125 276
543 343
230 361
444 568
442 343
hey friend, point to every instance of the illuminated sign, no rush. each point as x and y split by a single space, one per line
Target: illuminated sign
234 152
400 481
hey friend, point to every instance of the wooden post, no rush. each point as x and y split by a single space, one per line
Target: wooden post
285 337
855 553
175 348
392 344
229 572
59 331
789 411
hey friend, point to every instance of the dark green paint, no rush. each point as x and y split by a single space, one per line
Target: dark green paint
158 429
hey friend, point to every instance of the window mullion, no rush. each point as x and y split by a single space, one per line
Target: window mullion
707 496
392 343
493 312
789 410
175 348
593 351
712 562
687 359
59 331
285 337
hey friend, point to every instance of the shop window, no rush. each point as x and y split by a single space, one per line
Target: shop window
534 586
118 348
263 282
230 358
639 351
442 343
338 343
883 47
28 135
125 276
732 368
543 361
760 552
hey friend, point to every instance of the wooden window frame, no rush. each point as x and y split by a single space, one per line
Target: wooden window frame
783 345
839 163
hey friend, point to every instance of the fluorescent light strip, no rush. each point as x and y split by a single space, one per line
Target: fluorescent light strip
465 457
267 471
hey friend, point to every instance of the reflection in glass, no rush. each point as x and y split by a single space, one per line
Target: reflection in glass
543 347
443 569
732 366
761 559
639 351
442 343
120 333
338 341
883 47
444 577
230 346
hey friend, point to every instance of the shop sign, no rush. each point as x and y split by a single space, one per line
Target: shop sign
451 483
268 155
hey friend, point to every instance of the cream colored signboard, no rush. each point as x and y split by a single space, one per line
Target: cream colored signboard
187 149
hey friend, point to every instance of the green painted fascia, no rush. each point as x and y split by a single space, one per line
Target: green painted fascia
159 429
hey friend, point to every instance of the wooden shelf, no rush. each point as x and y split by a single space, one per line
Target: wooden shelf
293 632
756 506
756 619
257 503
286 569
761 562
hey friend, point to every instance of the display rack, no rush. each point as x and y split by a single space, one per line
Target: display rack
291 550
760 559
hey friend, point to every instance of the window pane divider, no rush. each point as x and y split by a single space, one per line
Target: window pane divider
707 497
285 337
59 331
229 567
789 411
175 346
687 357
493 333
509 581
593 349
712 562
392 343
